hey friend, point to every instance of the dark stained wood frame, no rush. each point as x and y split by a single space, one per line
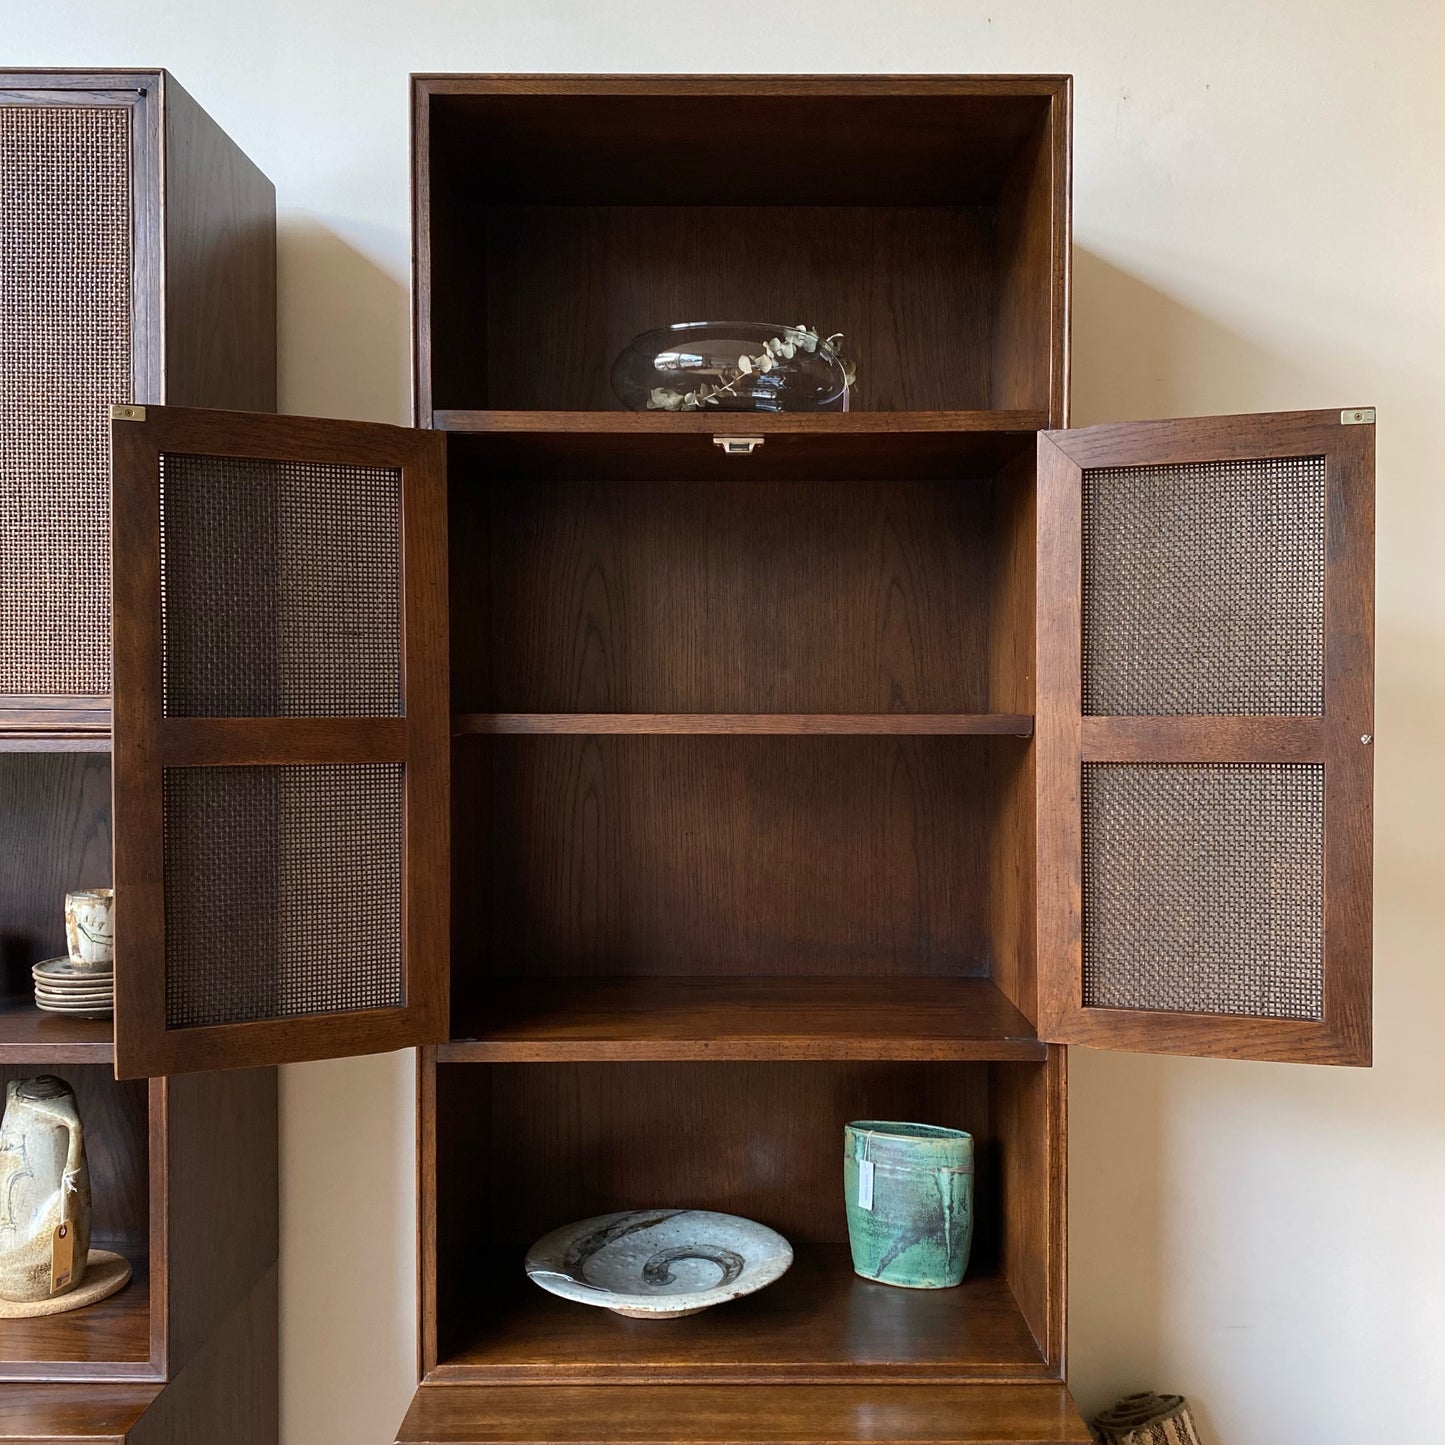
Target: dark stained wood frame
1030 1096
146 743
973 1414
82 723
1056 177
1341 739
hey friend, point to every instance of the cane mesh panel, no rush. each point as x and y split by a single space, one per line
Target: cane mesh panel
283 891
1204 588
65 356
1204 888
280 588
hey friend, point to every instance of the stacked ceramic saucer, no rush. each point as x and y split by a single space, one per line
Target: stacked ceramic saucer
83 984
63 986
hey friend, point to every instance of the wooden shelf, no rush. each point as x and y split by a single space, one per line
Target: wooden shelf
819 1322
41 727
580 1020
110 1338
1002 724
38 740
55 1412
1041 1414
29 1035
735 423
838 446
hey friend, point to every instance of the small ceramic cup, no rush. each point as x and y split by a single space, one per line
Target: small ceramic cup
909 1194
89 927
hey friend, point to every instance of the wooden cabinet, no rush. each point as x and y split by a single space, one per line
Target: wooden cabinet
688 800
138 266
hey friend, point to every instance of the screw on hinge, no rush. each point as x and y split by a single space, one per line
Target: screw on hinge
127 413
1367 738
1358 416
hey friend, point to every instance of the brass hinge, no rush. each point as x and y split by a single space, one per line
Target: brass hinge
738 446
127 413
1358 416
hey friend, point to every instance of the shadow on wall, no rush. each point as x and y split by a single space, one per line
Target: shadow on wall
1138 354
345 327
1222 1213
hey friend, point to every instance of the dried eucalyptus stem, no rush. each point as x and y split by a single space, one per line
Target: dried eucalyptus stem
778 349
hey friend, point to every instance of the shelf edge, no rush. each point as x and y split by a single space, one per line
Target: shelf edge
1019 725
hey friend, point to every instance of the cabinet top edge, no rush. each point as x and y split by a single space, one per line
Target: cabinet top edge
71 78
543 83
1064 437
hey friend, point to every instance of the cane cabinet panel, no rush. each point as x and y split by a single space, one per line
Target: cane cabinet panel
138 242
1205 731
281 739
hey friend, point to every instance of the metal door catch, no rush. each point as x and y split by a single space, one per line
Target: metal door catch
738 446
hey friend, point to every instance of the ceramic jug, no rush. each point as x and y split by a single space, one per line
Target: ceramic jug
44 1182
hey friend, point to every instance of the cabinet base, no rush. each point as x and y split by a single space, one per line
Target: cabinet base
743 1415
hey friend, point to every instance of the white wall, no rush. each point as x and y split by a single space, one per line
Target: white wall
1259 224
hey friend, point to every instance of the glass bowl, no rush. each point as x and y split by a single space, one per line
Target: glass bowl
732 366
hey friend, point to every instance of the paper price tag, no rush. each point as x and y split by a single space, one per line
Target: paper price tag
865 1184
62 1257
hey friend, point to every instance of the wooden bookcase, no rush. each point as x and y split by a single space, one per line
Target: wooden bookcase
686 803
139 269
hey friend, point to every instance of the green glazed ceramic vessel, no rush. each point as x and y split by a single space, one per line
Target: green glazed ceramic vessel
909 1191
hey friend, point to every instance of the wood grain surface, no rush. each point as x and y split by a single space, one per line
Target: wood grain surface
219 218
835 724
819 1322
651 596
719 1415
645 855
46 1414
658 1019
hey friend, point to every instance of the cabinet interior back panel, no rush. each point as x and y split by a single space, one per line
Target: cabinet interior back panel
57 837
735 856
727 596
910 288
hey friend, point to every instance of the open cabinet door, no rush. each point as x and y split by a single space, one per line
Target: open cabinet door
281 738
1204 731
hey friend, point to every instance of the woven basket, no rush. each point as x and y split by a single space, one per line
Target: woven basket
1148 1419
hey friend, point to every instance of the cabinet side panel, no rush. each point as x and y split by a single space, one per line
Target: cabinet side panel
1031 324
219 217
229 1391
1012 671
1029 1113
222 1199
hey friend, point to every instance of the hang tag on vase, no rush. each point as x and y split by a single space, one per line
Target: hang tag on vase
865 1184
62 1257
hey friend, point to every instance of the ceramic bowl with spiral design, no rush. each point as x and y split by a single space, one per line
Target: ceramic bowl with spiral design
658 1263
